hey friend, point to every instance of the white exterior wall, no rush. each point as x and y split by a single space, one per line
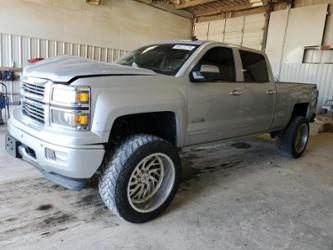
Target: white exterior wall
121 24
45 28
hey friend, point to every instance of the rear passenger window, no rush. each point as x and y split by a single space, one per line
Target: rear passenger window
254 66
216 65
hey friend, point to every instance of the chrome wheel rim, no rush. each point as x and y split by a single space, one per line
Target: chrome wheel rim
302 136
151 182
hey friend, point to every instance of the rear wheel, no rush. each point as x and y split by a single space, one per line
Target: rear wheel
294 139
141 179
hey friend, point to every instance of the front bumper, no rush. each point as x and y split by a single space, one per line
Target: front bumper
71 167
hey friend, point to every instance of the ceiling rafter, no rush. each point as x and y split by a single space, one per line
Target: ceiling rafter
167 6
192 3
198 8
94 2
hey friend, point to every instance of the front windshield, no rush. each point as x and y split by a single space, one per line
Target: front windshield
164 59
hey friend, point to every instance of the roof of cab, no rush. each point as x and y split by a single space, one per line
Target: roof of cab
189 42
201 42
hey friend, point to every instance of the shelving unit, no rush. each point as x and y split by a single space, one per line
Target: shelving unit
13 69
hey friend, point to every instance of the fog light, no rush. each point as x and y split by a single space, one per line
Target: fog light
50 154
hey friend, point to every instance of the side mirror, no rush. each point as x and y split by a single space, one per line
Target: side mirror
207 73
196 76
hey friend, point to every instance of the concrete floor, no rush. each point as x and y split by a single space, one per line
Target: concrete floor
236 195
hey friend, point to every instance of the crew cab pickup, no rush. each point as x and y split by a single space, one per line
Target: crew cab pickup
126 122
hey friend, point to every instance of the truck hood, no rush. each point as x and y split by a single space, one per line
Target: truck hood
68 68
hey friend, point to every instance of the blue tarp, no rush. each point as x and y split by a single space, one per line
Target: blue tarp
2 101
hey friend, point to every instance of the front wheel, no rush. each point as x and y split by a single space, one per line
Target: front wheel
295 137
141 179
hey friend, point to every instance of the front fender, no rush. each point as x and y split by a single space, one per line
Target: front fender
112 104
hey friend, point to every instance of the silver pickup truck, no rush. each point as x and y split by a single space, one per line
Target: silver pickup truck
126 122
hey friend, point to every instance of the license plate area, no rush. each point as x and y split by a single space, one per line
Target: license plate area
12 146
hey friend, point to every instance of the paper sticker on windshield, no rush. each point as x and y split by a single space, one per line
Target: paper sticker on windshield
183 47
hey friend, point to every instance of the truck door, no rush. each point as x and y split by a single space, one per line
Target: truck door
213 97
258 93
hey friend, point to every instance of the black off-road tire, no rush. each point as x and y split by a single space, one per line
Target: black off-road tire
286 141
117 169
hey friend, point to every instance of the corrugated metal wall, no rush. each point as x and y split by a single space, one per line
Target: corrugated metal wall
15 50
320 74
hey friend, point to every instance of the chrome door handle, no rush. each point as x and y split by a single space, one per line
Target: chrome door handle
235 92
270 92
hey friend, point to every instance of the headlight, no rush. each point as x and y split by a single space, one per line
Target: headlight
70 107
69 118
70 96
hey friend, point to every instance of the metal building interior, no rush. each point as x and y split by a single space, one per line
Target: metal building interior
240 193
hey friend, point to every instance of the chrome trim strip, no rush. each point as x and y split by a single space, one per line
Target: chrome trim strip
34 80
33 102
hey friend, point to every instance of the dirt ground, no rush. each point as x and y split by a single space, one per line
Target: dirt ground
235 195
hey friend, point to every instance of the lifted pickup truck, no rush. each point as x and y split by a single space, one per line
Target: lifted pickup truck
126 121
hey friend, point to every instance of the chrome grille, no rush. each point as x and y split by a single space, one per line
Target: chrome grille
33 94
33 110
33 88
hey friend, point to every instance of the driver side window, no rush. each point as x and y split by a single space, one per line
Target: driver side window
216 65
